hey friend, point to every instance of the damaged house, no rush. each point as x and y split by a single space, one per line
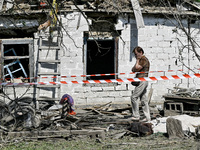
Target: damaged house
50 48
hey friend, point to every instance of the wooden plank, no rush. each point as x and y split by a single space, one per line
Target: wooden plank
49 47
56 133
150 95
1 62
18 41
48 99
31 62
194 5
49 73
138 14
15 57
48 61
171 97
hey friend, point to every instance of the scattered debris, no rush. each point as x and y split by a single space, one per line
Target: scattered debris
189 127
182 101
19 118
141 128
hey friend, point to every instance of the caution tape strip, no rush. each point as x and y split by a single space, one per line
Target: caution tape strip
111 74
94 75
184 76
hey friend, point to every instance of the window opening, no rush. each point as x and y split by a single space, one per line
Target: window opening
100 58
16 61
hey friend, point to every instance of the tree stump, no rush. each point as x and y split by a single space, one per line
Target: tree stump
197 132
174 128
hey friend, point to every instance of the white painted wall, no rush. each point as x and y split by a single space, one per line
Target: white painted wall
159 42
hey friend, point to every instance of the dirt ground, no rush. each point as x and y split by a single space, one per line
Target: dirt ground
154 142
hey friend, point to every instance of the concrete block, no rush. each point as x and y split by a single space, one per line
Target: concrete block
174 44
143 44
80 101
99 100
161 67
77 72
162 56
162 32
102 94
152 43
79 90
170 50
111 88
158 38
122 100
96 89
151 57
125 93
152 33
164 44
142 38
70 65
122 87
114 94
142 32
131 87
90 94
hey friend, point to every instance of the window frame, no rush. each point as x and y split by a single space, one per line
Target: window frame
29 42
116 42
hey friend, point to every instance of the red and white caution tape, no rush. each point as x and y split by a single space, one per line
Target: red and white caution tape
111 74
159 78
95 75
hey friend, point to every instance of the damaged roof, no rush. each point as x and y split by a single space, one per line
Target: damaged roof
190 7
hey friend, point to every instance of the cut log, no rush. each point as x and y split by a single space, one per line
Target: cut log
174 128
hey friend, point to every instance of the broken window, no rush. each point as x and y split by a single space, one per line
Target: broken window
17 59
100 58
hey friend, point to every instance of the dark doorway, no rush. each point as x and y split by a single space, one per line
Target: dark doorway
100 58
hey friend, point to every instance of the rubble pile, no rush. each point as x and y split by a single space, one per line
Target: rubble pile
19 118
182 101
185 92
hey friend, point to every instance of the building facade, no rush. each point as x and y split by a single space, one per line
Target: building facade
102 42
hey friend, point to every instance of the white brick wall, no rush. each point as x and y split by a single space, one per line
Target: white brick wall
159 43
